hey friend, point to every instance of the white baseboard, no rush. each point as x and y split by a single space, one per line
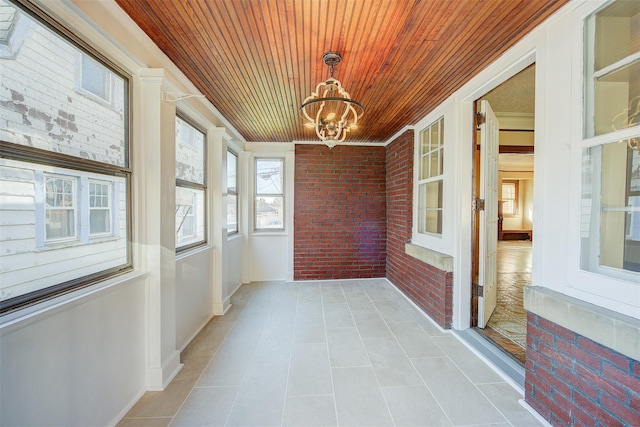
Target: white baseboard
158 378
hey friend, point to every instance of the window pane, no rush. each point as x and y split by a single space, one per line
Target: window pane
232 213
190 217
270 213
432 222
430 203
435 163
60 209
190 156
99 221
613 79
44 107
95 77
435 136
615 38
610 223
424 166
426 140
269 176
43 217
232 165
60 224
617 99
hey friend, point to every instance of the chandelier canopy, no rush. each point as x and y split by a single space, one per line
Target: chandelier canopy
330 110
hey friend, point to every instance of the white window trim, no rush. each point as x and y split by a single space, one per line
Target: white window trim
441 243
234 193
620 294
282 194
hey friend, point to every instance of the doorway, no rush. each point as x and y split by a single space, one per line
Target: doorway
503 230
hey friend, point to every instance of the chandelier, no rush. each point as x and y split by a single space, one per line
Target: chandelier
330 110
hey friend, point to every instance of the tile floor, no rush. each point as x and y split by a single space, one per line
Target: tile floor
351 353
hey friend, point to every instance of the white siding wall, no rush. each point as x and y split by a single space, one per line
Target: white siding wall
50 111
27 262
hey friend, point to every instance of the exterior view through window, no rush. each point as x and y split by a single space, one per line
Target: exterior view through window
610 203
190 185
64 163
430 178
232 192
269 198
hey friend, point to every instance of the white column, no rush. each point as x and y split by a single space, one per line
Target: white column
154 189
217 184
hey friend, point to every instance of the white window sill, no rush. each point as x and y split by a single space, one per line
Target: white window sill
64 302
193 251
436 259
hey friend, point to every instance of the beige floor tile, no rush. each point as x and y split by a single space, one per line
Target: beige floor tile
359 400
414 406
461 401
307 411
319 353
145 422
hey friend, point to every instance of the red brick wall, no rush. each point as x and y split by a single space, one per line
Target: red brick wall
571 380
339 213
430 288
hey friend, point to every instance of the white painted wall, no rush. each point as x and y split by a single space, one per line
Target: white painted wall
270 254
194 294
78 364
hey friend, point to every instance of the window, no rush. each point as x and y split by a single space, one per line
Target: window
95 79
269 196
190 185
610 204
232 192
60 208
430 179
64 165
99 207
509 197
13 30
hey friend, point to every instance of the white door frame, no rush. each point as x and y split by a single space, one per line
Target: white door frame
490 78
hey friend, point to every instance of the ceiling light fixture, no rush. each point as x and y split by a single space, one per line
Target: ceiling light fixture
330 110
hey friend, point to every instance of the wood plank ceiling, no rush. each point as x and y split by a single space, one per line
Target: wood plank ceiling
257 60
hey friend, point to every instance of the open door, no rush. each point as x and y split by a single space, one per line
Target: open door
487 268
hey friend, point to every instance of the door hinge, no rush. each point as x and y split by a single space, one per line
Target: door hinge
477 204
480 118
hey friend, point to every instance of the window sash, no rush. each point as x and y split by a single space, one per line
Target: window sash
57 153
269 200
190 218
100 206
232 192
430 182
191 189
609 209
60 208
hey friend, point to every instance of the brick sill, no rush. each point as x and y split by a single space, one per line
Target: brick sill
436 259
606 327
